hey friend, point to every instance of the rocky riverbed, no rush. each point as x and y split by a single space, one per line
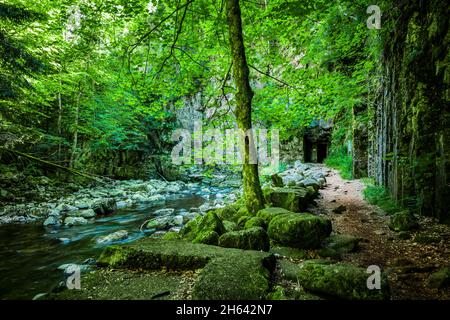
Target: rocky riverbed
72 230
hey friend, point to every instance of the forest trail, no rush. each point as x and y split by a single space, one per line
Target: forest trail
407 262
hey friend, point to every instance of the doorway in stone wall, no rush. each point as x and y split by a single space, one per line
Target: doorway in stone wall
322 149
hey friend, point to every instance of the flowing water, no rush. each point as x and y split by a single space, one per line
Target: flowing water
30 254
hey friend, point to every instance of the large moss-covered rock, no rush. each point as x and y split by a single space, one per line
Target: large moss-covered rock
402 221
255 222
242 220
104 206
293 199
230 226
226 273
299 230
104 284
277 181
268 214
202 229
228 213
343 281
207 237
338 244
245 276
439 279
249 239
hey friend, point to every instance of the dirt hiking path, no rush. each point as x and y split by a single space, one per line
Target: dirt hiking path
407 263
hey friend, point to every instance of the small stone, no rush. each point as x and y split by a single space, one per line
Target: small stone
404 235
440 279
75 221
164 211
340 209
51 221
116 236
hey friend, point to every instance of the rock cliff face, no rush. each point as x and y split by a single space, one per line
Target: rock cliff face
410 133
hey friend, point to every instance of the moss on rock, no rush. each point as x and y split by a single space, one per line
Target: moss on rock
249 272
242 277
207 237
268 214
304 231
255 222
171 235
440 279
293 199
343 281
338 244
228 213
402 221
249 239
202 229
230 226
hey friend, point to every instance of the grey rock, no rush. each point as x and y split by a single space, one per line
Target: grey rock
52 221
88 213
116 236
164 211
75 221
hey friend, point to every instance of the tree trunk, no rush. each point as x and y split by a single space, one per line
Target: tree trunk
59 120
75 133
253 196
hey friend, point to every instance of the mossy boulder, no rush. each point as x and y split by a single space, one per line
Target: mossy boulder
242 220
230 226
403 221
293 199
226 274
268 214
104 284
439 279
171 235
249 239
228 213
338 244
207 237
244 276
203 229
255 222
277 181
343 281
299 230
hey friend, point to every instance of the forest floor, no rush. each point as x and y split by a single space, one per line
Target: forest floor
409 262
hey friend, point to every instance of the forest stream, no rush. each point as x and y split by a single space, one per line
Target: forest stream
29 265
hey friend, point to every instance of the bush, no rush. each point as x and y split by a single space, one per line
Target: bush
341 161
380 197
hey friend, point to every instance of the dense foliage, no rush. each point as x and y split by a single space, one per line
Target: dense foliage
84 80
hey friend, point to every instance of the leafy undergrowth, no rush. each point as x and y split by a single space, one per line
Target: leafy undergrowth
379 196
342 162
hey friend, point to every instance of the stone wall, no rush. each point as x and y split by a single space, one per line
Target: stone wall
410 144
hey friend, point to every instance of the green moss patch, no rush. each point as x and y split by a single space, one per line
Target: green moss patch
304 231
249 239
342 281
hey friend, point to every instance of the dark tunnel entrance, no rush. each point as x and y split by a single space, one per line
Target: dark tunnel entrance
316 141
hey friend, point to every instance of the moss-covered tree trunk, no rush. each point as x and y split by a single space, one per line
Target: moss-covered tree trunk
252 189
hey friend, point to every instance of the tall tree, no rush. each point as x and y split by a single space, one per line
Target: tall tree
252 188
